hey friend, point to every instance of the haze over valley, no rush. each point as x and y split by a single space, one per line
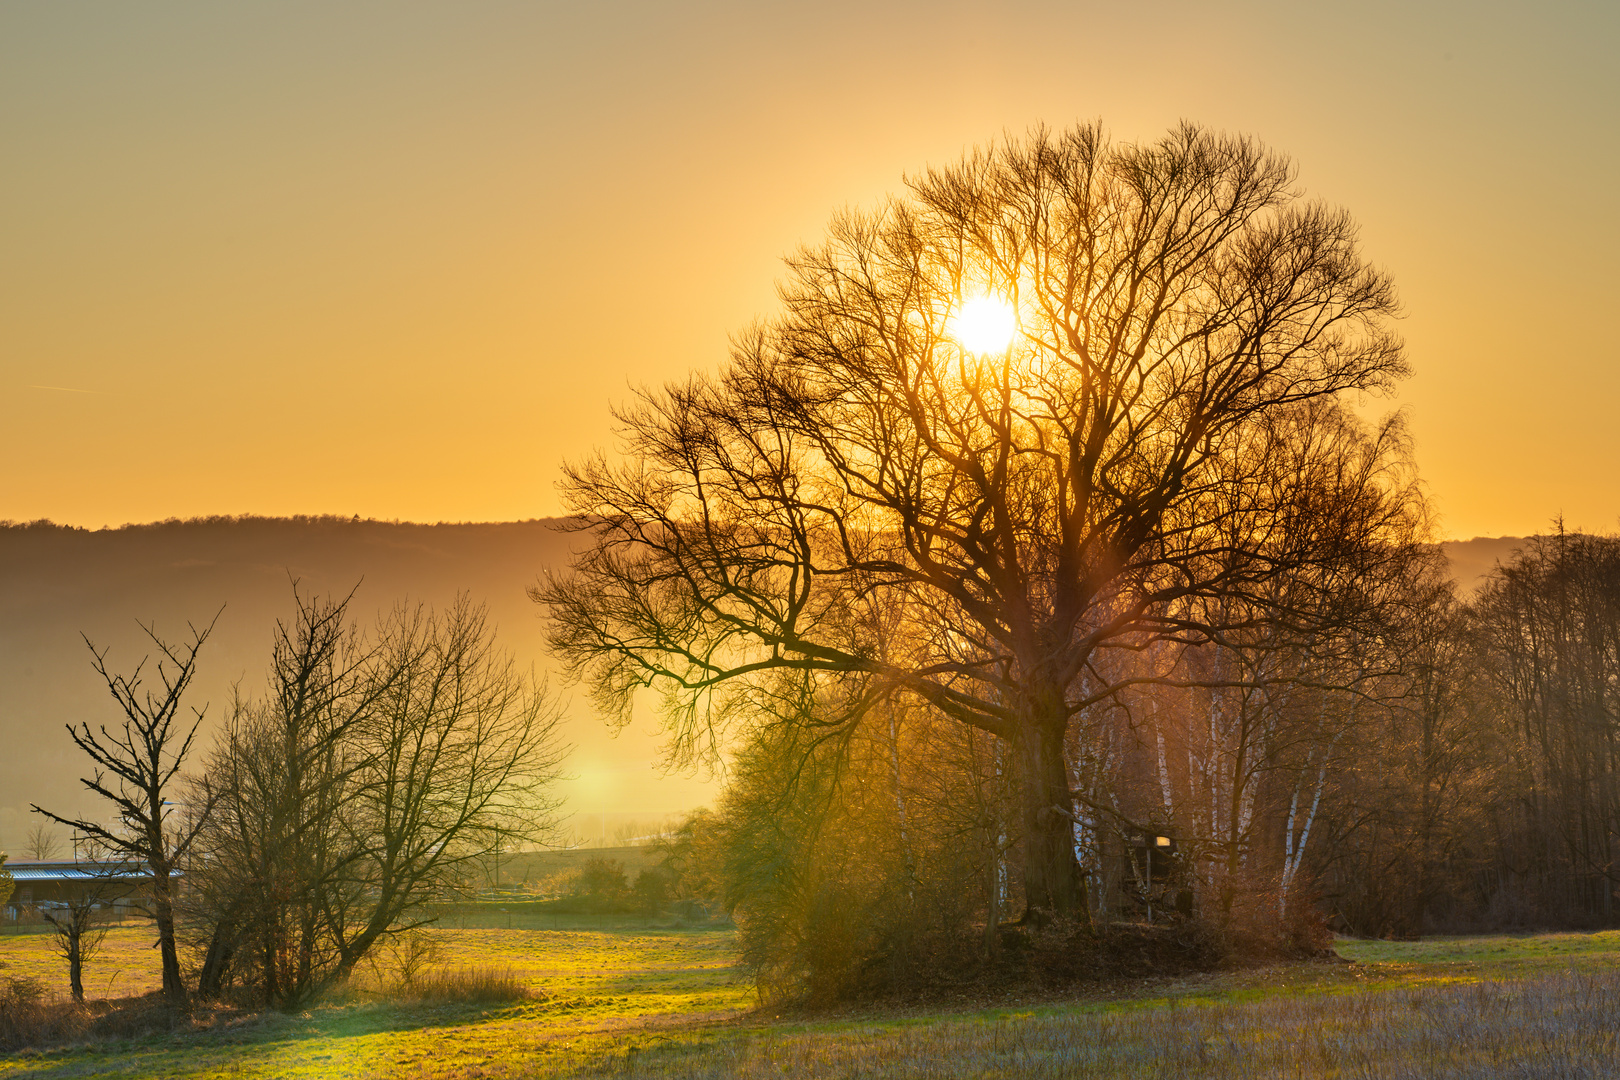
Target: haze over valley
57 582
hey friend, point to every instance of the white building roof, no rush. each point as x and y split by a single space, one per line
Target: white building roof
76 871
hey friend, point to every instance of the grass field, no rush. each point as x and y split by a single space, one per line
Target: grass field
669 1003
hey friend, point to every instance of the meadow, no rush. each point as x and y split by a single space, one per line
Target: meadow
655 1003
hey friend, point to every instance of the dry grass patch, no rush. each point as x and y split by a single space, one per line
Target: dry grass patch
467 986
1560 1026
27 1018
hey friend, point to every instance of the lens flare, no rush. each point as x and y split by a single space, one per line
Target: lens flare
984 324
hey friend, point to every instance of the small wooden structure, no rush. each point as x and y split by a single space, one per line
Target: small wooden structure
1153 878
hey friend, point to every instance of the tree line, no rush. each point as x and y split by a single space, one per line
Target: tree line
1461 779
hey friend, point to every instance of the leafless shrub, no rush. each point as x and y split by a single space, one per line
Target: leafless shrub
402 959
21 991
27 1018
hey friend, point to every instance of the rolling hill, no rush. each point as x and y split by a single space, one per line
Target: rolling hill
57 583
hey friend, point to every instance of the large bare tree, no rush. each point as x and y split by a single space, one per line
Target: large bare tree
1025 508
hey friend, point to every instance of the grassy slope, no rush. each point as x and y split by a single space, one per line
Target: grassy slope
669 1004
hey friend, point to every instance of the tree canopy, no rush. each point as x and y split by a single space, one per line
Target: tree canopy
863 503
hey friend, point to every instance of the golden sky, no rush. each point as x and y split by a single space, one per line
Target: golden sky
397 259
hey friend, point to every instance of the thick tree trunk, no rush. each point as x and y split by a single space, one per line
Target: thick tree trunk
353 950
306 946
1053 887
272 984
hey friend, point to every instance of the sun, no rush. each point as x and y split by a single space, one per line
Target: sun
984 324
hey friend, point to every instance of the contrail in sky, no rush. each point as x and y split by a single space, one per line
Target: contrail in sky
64 389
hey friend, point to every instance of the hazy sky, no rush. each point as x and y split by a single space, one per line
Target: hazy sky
397 259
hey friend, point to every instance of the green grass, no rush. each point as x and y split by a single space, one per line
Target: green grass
670 1003
595 992
530 915
126 965
1500 954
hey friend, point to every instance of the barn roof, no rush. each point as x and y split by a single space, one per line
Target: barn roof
76 871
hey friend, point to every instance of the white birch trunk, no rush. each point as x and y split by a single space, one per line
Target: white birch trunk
1295 853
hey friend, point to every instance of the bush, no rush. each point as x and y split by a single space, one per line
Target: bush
21 991
599 887
1255 929
557 885
401 959
654 888
833 897
602 880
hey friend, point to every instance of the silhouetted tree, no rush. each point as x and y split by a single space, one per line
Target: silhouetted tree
78 929
42 844
374 776
137 766
1405 821
1104 483
1548 632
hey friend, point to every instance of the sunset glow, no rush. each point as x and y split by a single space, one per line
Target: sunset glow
450 231
600 534
984 324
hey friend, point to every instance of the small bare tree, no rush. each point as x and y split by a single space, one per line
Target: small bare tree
136 769
42 843
79 928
